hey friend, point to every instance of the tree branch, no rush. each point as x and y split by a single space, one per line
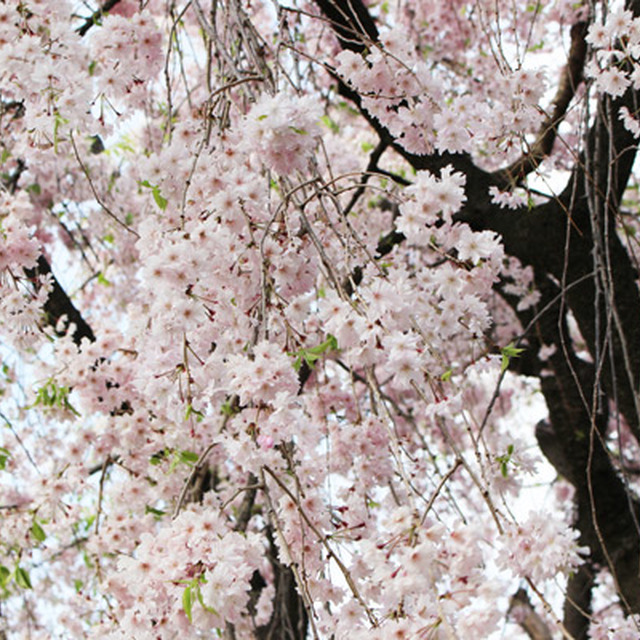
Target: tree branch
560 238
59 305
573 442
351 22
521 611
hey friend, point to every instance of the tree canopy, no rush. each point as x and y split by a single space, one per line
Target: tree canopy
297 302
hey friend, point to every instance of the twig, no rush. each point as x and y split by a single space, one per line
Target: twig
196 467
103 206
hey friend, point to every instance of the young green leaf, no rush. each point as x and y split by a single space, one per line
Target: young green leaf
5 576
22 578
508 352
311 354
187 601
38 532
5 454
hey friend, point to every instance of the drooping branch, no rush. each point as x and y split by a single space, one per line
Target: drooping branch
611 148
58 304
577 606
606 309
356 31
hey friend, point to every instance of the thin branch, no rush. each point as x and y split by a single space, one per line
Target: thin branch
103 206
351 22
105 466
371 167
196 467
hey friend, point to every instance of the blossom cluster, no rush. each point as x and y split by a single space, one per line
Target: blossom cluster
540 549
616 65
283 131
267 395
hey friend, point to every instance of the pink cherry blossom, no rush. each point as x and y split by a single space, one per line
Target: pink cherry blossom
318 320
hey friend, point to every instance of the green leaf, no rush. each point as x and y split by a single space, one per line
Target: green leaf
504 461
446 375
311 354
22 578
192 594
206 607
38 532
157 458
189 457
159 199
5 454
157 513
536 47
87 560
508 352
187 602
226 409
183 457
193 412
5 576
50 395
102 280
330 124
58 121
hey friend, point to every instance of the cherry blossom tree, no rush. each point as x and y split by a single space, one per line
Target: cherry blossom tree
285 290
